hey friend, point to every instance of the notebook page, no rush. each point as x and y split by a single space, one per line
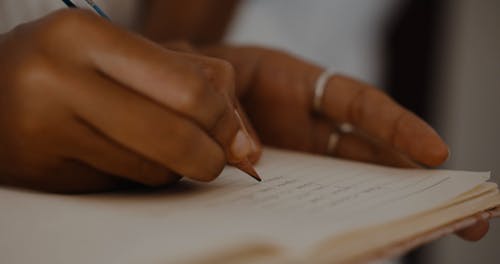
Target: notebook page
318 191
302 200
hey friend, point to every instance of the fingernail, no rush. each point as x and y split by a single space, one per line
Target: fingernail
253 145
241 146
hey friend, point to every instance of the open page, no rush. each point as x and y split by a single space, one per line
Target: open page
302 200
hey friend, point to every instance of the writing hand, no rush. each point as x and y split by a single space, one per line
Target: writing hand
86 106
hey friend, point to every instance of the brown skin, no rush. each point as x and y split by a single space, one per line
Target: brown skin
80 115
65 127
276 91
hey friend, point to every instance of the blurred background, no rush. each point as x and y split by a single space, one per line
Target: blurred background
439 58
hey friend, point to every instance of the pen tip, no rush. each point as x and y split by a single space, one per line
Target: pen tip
247 167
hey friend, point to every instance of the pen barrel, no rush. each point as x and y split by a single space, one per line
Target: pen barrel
89 5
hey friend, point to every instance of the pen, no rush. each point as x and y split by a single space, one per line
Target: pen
86 4
244 165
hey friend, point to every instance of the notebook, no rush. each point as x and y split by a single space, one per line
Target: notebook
308 209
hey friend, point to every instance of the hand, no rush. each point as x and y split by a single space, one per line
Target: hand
277 92
86 106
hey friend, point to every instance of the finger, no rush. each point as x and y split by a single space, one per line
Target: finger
355 146
224 133
147 68
146 128
72 176
220 74
179 45
97 151
234 138
162 75
475 232
230 131
256 144
373 112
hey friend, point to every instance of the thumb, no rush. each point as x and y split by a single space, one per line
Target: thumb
247 125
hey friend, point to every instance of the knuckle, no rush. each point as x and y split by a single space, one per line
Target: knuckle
65 22
221 73
224 67
30 72
193 95
201 101
227 72
28 84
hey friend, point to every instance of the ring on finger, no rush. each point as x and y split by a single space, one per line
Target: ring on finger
319 89
333 141
334 137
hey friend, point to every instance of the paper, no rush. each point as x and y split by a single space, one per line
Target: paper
302 200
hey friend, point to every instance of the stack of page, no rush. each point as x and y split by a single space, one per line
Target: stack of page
308 209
